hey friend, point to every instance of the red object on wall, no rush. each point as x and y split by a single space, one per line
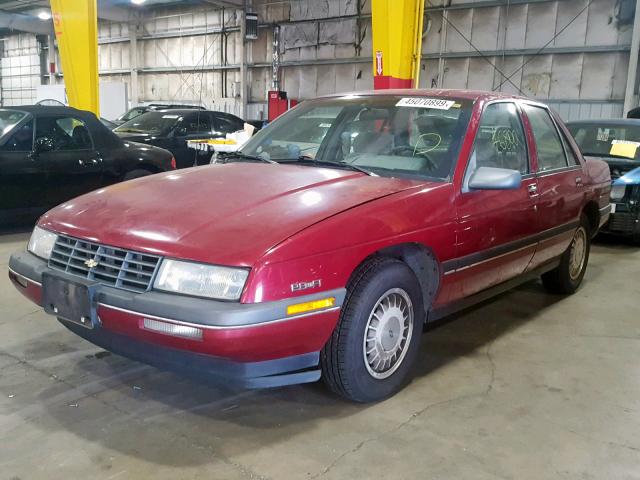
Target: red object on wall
279 103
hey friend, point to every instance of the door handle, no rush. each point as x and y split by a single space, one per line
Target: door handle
533 190
578 181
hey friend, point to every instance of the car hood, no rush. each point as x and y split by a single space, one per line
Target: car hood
136 137
223 214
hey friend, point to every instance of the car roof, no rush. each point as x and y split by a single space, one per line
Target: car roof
606 121
51 110
433 92
184 111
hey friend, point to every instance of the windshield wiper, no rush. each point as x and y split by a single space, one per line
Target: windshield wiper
307 160
239 155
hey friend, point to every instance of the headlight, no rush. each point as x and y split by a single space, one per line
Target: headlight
41 242
617 192
201 280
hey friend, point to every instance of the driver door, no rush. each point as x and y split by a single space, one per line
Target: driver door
64 151
21 178
194 126
497 228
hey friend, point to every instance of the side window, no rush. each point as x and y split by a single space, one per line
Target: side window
573 158
195 123
500 141
66 133
21 140
548 144
226 124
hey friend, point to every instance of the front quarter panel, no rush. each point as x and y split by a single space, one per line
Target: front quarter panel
330 251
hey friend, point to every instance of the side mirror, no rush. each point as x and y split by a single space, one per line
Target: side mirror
180 131
490 178
43 144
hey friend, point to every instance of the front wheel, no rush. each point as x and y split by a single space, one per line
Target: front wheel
567 277
372 349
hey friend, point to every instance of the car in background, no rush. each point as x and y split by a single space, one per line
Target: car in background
140 109
171 129
108 123
50 154
617 142
301 263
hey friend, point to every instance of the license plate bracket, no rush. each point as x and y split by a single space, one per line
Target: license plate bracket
70 300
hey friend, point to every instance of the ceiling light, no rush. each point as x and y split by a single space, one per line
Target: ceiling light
138 2
44 15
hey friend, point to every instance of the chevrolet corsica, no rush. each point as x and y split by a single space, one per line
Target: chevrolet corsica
323 254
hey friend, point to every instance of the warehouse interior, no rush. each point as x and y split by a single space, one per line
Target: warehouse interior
525 385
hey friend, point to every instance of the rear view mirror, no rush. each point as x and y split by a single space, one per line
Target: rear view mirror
43 144
490 178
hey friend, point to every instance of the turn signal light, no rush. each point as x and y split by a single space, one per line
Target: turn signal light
311 306
173 329
173 163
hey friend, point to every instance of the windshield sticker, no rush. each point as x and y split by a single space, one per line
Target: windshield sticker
170 116
421 102
325 125
624 148
603 135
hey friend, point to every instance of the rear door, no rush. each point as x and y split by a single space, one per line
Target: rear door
560 187
496 233
73 167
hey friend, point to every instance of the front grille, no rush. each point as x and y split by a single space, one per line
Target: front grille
622 222
115 267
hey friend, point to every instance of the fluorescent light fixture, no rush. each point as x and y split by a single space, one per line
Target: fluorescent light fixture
44 15
138 2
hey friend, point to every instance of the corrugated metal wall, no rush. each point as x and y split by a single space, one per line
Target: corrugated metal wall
19 69
326 48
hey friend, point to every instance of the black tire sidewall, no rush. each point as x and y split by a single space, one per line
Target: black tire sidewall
363 386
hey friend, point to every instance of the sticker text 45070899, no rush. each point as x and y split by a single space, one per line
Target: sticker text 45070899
423 102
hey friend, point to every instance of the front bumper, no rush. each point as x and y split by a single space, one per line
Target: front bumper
251 345
625 220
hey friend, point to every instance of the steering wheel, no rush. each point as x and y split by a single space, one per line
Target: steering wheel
410 151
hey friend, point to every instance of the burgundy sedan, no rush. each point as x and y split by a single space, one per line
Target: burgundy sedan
323 247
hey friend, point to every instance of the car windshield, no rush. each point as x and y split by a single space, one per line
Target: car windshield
8 120
156 123
385 135
604 140
131 114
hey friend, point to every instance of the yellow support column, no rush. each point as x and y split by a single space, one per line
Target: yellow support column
397 42
76 25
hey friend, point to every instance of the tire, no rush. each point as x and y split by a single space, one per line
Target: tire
567 277
138 173
346 368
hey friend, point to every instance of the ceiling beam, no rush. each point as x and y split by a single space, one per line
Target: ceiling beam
226 3
25 23
108 11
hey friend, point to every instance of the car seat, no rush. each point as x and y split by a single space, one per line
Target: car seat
81 137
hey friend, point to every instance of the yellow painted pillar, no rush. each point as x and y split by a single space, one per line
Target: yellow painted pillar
397 42
76 26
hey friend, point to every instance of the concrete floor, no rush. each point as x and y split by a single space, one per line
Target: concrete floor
527 386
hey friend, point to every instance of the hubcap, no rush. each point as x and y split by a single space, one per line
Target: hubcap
578 253
388 333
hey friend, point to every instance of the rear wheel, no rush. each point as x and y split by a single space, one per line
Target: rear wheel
567 277
372 349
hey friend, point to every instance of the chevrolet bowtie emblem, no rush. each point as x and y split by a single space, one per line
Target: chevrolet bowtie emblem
91 263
